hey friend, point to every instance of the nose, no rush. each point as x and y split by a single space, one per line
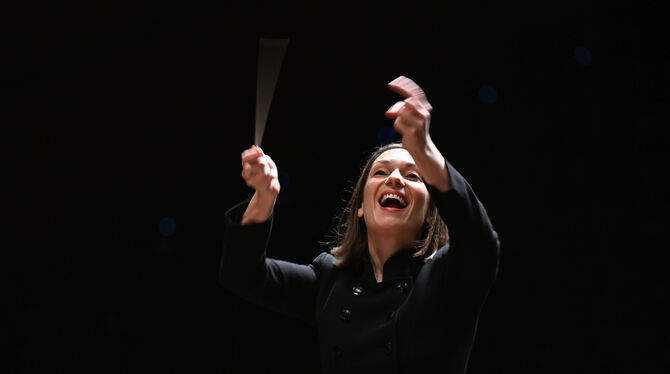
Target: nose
395 178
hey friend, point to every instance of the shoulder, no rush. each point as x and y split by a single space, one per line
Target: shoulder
324 261
324 267
440 254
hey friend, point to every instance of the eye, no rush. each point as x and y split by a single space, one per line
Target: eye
413 176
379 172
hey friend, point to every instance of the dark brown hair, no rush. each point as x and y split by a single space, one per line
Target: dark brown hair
351 241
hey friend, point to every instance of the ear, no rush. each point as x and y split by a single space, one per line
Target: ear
360 212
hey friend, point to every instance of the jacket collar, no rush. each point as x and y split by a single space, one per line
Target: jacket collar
401 265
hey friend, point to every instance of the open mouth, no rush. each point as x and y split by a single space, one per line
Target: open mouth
392 200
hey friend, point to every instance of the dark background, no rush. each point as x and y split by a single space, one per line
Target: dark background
137 115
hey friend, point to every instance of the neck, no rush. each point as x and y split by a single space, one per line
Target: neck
381 247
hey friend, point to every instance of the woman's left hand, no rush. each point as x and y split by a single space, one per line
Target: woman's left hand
412 122
412 116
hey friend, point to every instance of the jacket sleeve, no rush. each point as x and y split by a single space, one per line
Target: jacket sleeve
282 286
474 248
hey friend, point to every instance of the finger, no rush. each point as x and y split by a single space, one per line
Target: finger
253 150
247 171
247 152
254 167
271 162
395 109
406 88
250 156
417 106
257 149
410 114
275 186
263 163
259 166
273 174
257 179
408 123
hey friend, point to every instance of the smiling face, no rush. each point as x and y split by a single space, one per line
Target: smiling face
395 199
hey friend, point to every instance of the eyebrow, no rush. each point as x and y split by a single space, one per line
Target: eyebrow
386 162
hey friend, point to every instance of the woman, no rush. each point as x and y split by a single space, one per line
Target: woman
398 293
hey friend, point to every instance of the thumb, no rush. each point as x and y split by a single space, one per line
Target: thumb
258 149
393 111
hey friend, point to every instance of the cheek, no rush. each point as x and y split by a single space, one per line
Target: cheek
368 193
424 202
368 199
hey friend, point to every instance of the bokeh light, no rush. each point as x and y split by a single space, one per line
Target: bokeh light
168 226
583 55
487 94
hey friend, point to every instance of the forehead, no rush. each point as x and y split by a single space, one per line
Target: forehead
395 155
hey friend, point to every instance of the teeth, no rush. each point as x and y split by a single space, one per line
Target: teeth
394 196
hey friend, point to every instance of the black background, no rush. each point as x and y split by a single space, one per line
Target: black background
134 114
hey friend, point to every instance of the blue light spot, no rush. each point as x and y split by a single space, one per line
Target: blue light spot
386 135
583 55
487 94
284 180
167 226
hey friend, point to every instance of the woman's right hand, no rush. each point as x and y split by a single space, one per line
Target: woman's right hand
260 173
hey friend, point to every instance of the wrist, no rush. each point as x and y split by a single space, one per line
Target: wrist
264 197
259 209
433 167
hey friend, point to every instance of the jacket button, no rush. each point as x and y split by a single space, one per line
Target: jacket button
402 286
389 346
357 290
345 315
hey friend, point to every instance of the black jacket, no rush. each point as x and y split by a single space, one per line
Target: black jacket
422 316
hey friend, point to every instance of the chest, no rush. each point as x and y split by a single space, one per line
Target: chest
361 324
353 305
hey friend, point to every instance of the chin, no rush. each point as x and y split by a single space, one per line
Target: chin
391 223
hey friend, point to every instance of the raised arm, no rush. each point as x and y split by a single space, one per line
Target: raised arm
245 269
260 173
474 244
412 122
